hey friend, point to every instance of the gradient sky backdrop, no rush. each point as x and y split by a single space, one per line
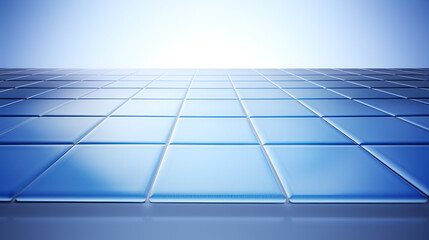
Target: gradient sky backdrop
214 34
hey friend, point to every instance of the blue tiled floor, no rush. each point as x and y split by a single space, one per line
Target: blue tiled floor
213 131
212 108
97 173
50 130
298 131
338 174
17 169
131 130
149 108
276 108
83 107
399 107
381 130
341 108
216 174
214 135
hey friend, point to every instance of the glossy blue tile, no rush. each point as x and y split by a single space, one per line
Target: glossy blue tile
254 84
421 121
169 84
49 84
19 165
411 162
418 84
296 84
64 93
364 93
213 131
381 130
211 94
298 131
9 123
55 130
31 107
337 84
262 94
88 84
21 93
313 93
378 84
128 84
14 84
97 173
276 108
111 93
338 174
149 108
131 130
211 84
212 108
341 108
4 102
239 174
86 108
399 107
161 94
409 92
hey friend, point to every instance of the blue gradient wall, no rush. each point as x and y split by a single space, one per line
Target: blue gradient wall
223 33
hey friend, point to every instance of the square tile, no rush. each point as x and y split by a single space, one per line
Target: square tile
236 174
31 107
86 108
128 84
89 84
149 108
20 164
161 94
296 84
409 92
97 173
364 93
276 108
54 130
409 161
111 93
169 84
211 94
132 130
212 84
338 174
212 108
213 131
399 107
22 93
337 84
313 94
341 108
380 130
262 94
298 131
254 84
64 93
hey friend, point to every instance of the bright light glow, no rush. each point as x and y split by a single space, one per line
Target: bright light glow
214 34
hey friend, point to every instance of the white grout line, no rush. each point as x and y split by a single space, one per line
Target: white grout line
167 144
259 141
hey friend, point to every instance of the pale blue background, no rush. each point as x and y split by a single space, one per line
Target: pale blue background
214 34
